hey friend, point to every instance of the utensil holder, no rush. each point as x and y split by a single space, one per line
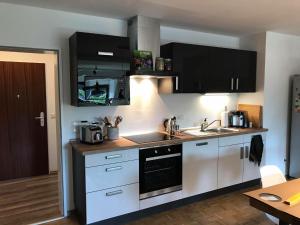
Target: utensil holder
113 133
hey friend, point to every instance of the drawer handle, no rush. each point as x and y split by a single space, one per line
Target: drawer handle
105 53
118 192
113 168
202 143
113 156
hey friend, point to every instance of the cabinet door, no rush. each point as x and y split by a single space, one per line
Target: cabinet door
200 166
195 65
230 167
245 71
96 46
221 73
191 62
251 170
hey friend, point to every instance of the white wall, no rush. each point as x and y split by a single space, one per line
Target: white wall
169 34
282 61
278 59
256 42
41 28
50 61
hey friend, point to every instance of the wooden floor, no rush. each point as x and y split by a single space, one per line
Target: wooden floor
29 200
228 209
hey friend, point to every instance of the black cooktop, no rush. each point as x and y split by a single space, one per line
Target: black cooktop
151 137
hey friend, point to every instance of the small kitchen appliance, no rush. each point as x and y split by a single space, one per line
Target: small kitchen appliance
91 134
237 119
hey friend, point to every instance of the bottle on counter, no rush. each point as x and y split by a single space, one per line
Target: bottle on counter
225 118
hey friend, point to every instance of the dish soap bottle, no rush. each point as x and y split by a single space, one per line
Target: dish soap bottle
225 118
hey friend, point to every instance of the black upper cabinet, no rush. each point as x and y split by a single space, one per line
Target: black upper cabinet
222 66
95 46
204 69
245 71
191 64
99 65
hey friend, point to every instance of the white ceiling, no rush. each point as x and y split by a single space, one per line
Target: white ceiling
233 17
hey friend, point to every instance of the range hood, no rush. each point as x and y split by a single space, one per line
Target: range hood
144 34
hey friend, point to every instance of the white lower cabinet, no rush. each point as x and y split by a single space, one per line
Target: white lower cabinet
112 202
230 166
251 169
200 166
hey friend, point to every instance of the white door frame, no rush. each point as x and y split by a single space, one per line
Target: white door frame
58 84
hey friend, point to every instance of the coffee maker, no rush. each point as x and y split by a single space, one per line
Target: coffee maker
238 119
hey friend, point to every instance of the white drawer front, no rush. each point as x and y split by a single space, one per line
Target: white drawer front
112 175
232 140
161 199
111 157
201 144
110 203
248 137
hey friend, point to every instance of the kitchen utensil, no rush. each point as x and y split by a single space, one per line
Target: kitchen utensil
118 120
113 133
170 125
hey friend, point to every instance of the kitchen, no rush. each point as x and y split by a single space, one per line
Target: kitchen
148 109
147 170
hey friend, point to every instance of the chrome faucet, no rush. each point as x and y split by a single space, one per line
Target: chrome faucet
205 124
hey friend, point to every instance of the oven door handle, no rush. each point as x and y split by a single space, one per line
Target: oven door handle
163 157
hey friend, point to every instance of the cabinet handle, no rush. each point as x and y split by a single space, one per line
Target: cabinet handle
114 193
242 153
202 143
105 53
237 83
232 83
176 83
113 156
113 168
247 152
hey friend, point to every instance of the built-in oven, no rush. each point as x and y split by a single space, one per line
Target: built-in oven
160 170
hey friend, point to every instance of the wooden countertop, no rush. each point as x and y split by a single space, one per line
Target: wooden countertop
123 143
289 214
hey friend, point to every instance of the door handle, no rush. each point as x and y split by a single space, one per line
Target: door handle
113 156
202 143
237 83
41 118
232 81
105 53
246 152
114 193
113 168
242 153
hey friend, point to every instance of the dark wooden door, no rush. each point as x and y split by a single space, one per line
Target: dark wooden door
23 138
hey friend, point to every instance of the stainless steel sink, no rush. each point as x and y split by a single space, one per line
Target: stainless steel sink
221 130
212 131
197 132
